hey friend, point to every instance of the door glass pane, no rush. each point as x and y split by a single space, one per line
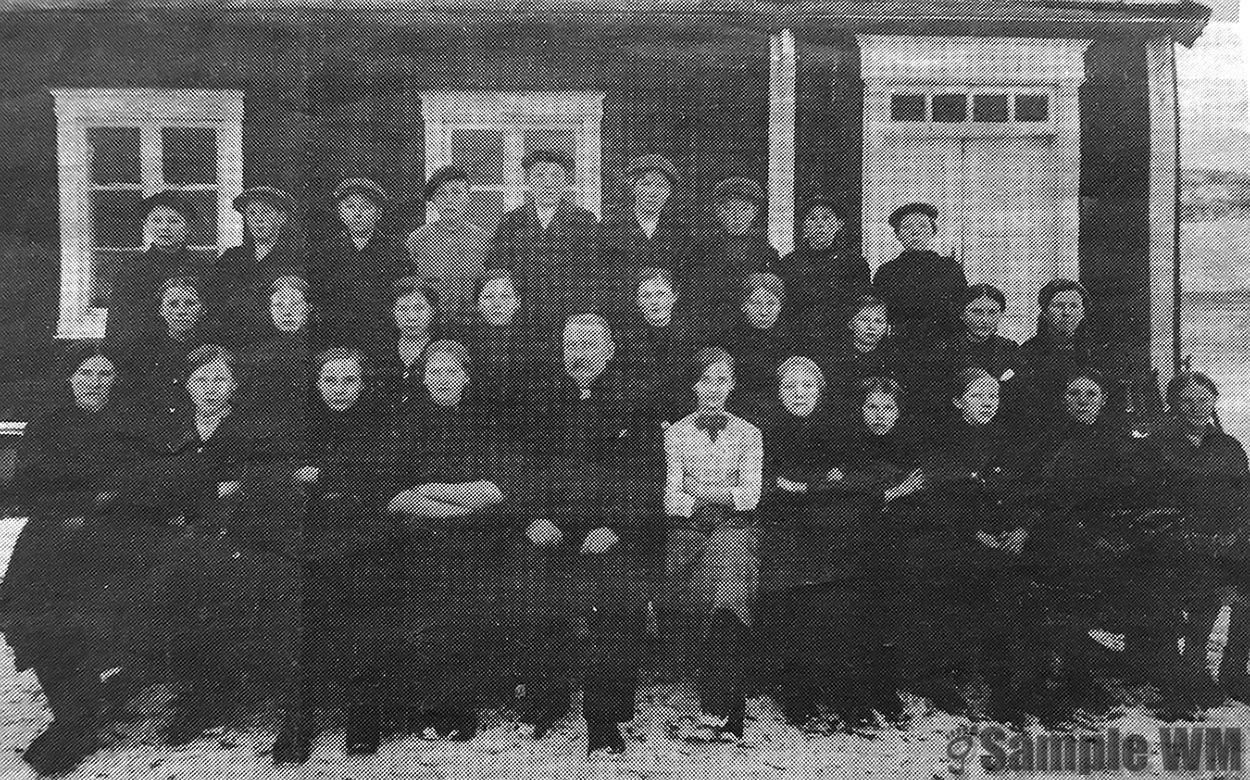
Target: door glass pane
204 225
1032 108
950 108
480 152
104 265
990 108
189 155
115 219
485 208
114 155
907 108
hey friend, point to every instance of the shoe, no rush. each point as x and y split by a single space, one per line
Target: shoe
604 736
294 742
364 730
943 696
61 748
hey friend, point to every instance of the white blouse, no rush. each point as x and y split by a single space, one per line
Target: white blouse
735 458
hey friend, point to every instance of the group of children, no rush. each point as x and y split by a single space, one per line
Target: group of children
414 479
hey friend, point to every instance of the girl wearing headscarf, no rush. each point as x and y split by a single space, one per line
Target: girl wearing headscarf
810 557
823 276
878 478
713 485
1208 479
758 341
78 565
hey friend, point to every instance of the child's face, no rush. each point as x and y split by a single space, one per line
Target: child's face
762 309
180 309
656 300
869 326
979 402
880 413
412 314
498 301
714 386
800 392
737 216
288 308
340 383
358 213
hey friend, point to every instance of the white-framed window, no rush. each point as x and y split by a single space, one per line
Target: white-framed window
945 105
489 133
118 146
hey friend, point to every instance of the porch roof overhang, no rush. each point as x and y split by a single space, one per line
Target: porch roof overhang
1181 20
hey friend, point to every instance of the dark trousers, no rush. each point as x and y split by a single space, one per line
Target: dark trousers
574 612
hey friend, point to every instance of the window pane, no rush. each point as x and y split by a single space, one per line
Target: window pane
485 208
115 219
990 108
480 152
1032 108
114 155
189 155
950 108
104 265
204 226
907 108
556 138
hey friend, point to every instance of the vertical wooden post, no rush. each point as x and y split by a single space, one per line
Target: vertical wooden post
1164 300
782 71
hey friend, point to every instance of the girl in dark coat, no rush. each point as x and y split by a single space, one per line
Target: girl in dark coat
80 561
1208 481
878 477
963 589
823 277
153 387
1061 346
131 325
758 341
230 585
401 361
351 273
860 350
444 489
809 558
351 602
736 247
656 342
237 289
273 368
499 343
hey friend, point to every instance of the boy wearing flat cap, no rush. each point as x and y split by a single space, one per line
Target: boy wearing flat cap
133 325
648 232
921 287
450 252
736 247
350 275
551 247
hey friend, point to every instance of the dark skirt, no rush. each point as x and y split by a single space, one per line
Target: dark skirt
91 582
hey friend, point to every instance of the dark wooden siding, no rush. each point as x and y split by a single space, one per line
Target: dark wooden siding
1115 171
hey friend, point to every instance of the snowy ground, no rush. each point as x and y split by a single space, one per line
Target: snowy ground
501 752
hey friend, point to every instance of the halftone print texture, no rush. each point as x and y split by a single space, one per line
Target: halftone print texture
618 388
